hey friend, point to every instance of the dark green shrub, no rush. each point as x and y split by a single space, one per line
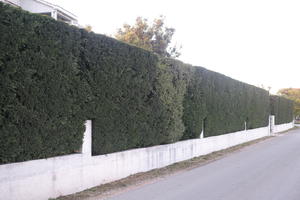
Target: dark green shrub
222 105
41 95
171 86
125 106
195 110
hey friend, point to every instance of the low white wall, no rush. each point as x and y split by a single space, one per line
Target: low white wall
282 127
53 177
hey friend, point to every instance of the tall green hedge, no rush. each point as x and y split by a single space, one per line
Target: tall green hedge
53 77
222 105
282 108
41 95
128 106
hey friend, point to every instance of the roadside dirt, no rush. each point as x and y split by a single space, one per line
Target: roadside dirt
136 180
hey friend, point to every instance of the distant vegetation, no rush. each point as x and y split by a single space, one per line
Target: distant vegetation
155 37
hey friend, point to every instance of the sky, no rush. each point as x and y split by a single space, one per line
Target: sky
254 41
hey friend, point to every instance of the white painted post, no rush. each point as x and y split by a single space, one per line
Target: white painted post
202 132
271 124
54 14
87 139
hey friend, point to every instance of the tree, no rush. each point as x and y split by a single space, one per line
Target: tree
155 37
293 94
88 28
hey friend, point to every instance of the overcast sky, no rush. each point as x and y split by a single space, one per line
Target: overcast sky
255 41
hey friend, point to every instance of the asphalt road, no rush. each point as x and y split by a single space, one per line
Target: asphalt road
269 170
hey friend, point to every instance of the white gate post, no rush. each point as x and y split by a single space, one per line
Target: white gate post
271 124
87 139
202 132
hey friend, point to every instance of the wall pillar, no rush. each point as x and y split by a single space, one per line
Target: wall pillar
54 14
271 123
87 139
202 132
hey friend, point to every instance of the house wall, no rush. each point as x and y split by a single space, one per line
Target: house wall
35 7
53 177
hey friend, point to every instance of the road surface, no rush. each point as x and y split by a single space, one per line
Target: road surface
269 170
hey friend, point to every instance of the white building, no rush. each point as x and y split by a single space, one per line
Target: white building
45 8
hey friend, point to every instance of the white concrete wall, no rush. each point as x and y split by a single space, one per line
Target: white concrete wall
45 178
282 127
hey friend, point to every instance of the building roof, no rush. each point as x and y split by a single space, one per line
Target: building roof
10 2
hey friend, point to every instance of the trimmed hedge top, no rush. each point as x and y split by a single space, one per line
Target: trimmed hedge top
54 76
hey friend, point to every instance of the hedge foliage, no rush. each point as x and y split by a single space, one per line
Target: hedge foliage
41 95
222 105
282 108
53 77
121 80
